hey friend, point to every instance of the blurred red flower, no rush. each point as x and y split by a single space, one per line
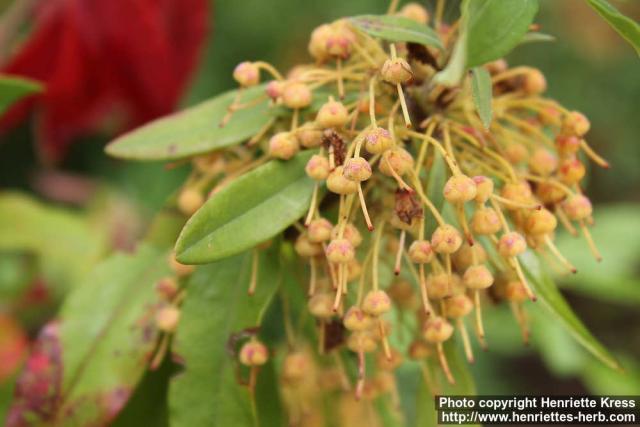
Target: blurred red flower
100 57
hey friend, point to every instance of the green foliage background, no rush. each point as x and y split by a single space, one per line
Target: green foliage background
588 68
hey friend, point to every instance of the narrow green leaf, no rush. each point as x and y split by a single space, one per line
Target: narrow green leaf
195 130
250 210
482 93
535 37
397 29
216 308
496 27
552 300
14 88
625 26
97 350
63 241
435 184
454 71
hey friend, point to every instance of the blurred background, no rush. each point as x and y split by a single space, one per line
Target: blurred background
53 171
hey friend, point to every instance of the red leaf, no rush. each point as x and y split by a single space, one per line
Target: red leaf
131 58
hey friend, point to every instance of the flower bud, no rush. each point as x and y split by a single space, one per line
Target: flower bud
340 41
247 74
497 66
296 366
467 254
534 82
340 251
567 144
305 248
477 277
376 303
321 305
397 158
308 136
549 193
319 230
361 342
353 270
253 353
167 288
540 222
446 239
577 207
485 221
436 330
337 183
415 12
190 200
458 306
543 162
283 145
519 192
357 320
389 364
571 171
317 167
516 152
515 291
459 189
511 244
350 233
484 188
419 350
421 252
332 114
575 123
437 285
296 95
167 318
396 71
318 42
403 295
357 169
274 89
378 140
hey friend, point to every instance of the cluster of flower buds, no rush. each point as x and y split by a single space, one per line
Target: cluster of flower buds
167 314
376 141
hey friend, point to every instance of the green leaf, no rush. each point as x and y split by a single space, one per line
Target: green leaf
435 184
14 88
248 211
195 130
496 27
457 64
625 26
482 93
217 306
97 350
552 300
535 37
397 29
64 242
615 278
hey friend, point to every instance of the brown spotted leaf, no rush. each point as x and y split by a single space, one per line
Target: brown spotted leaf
86 364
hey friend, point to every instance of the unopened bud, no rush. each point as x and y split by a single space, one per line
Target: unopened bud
247 74
253 353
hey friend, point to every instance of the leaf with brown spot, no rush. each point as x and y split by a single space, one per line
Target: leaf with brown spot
86 365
